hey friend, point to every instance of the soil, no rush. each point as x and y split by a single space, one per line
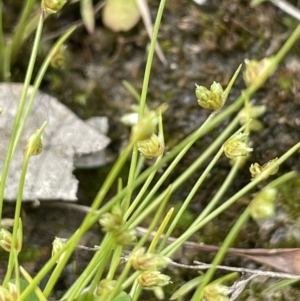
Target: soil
202 44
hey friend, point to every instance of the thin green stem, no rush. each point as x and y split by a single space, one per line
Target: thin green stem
110 178
220 192
38 81
190 197
131 178
222 252
178 148
132 90
91 218
150 57
67 249
37 290
169 250
231 237
11 260
17 271
156 218
139 166
120 283
81 282
20 110
58 270
186 174
149 179
106 255
287 45
115 262
135 291
131 280
141 243
18 36
85 224
160 231
142 104
140 194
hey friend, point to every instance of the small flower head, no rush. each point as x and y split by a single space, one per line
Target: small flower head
265 170
147 261
53 6
263 204
255 71
13 290
151 279
125 237
58 59
5 294
105 287
212 99
151 148
57 245
216 292
112 221
5 240
144 128
236 146
34 145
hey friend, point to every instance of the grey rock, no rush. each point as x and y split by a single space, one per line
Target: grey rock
49 175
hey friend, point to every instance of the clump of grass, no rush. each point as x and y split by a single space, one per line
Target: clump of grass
139 198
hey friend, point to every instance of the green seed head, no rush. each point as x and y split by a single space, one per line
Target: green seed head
13 290
5 240
212 99
34 145
57 245
5 294
236 146
58 59
143 261
264 171
105 287
112 221
151 279
151 148
263 204
216 292
53 6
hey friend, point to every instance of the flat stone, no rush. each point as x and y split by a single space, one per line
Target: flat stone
49 175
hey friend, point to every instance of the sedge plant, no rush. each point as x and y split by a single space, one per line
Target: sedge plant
124 264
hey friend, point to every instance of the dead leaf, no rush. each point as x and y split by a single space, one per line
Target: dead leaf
286 260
